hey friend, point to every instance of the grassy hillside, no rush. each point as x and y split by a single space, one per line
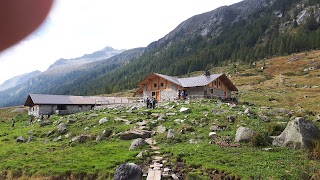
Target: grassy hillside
283 85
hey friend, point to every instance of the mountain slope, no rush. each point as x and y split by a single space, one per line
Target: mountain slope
53 82
18 80
243 32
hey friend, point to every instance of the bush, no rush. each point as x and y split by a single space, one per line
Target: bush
260 140
315 151
275 129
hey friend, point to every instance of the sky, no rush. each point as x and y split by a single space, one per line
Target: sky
77 27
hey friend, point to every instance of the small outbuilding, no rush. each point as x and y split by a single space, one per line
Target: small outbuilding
44 104
165 88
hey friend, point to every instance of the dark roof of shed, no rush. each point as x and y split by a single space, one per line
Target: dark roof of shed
63 99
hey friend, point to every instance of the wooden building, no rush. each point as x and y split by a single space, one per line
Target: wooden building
166 88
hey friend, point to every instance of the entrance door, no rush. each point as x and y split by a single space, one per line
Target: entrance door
158 95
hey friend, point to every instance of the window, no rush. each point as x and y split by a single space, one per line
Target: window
154 85
215 83
153 93
161 84
219 84
211 91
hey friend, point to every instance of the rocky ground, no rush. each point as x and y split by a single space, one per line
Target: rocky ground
197 139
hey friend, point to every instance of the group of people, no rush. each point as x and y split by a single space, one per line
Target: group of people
151 103
182 94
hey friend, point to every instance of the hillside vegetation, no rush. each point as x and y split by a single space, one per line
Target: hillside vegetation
282 90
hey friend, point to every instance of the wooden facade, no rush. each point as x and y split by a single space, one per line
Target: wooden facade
165 88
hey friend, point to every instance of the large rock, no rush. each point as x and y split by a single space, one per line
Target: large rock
299 133
161 129
184 110
20 139
62 128
170 134
133 134
44 123
137 143
244 134
103 120
128 171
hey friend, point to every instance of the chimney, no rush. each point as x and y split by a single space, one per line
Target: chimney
207 72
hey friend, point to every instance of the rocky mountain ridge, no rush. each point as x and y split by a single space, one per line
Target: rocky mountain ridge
17 80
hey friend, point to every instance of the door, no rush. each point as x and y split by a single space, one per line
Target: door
158 95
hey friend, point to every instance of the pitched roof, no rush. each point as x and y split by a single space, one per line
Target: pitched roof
194 81
64 99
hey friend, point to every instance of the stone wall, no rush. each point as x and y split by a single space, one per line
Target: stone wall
39 110
195 91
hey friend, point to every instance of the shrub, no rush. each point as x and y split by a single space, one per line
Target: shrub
275 129
260 139
315 151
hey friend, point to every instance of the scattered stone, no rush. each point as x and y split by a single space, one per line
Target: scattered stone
231 119
174 176
318 117
30 139
44 123
133 134
46 141
171 114
233 106
140 155
67 135
244 134
248 111
50 133
161 129
128 171
71 121
178 121
62 128
84 138
267 149
213 135
59 138
74 139
184 110
299 133
193 141
161 117
98 138
143 123
86 129
156 115
217 111
170 134
103 120
218 128
137 143
150 141
265 118
92 116
31 132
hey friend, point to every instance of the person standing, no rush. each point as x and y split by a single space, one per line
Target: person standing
13 122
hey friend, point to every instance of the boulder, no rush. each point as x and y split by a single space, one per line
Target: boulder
171 114
20 139
50 133
136 133
299 133
92 116
103 120
44 123
128 171
143 123
213 135
170 134
59 138
184 110
244 134
137 143
248 111
84 138
161 129
231 119
30 139
62 128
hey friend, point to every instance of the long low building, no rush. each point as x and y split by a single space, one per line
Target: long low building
44 104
